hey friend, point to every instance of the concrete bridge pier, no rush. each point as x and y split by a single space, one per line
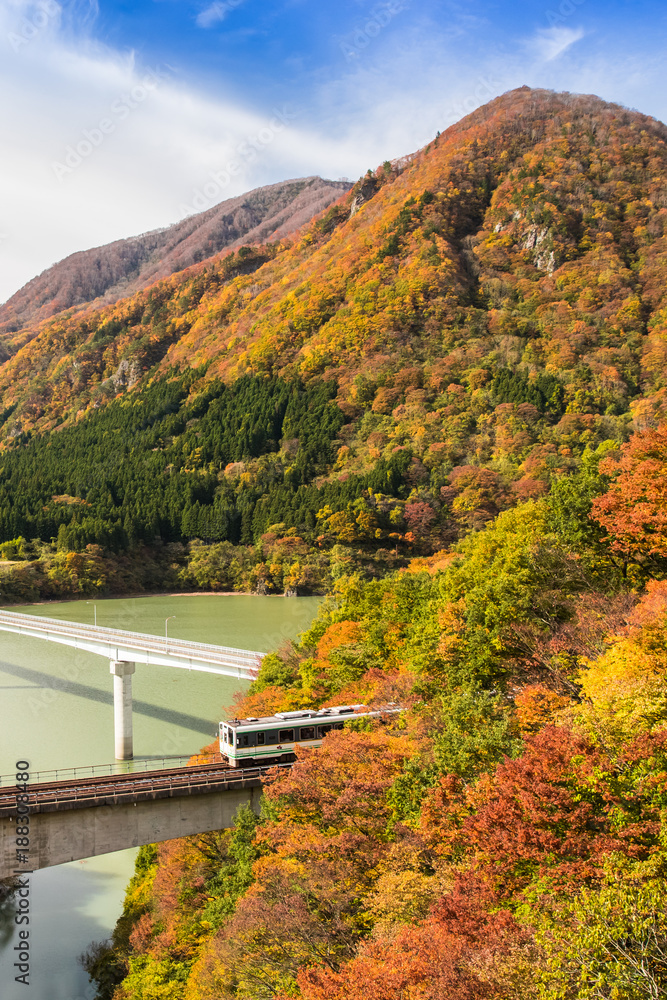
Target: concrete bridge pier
122 707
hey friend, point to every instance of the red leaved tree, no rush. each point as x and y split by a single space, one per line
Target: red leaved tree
553 814
449 956
634 509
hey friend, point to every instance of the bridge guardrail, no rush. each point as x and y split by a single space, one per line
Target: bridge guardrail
101 632
128 787
135 766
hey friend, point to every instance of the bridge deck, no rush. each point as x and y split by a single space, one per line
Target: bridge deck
140 647
116 789
83 818
125 649
135 766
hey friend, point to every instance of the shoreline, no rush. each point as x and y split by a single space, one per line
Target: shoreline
156 593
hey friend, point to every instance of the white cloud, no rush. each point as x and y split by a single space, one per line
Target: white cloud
155 140
98 147
212 14
549 43
216 12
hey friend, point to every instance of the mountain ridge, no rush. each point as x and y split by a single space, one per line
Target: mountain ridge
124 266
517 259
437 403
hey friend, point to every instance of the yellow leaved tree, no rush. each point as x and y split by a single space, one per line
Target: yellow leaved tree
626 687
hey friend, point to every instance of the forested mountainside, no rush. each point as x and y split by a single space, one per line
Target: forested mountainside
123 267
528 237
504 838
444 404
458 331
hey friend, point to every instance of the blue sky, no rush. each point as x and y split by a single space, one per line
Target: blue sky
117 118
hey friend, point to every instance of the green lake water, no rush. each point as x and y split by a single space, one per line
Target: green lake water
56 711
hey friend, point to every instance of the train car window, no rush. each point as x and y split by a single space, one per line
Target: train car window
244 740
323 730
339 725
260 739
308 732
286 735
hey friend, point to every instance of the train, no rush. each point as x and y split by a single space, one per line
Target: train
272 739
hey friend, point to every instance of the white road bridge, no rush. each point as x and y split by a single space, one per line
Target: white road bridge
125 649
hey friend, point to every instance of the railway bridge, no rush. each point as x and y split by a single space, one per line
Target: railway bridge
125 649
83 812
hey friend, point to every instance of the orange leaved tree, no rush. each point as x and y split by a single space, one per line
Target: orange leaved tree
634 509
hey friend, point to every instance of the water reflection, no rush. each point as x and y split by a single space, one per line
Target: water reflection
6 913
70 906
56 710
43 680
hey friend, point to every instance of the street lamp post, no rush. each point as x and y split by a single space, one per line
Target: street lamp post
168 618
94 611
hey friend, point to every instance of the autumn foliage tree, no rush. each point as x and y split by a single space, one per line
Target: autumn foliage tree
634 508
551 816
448 955
449 357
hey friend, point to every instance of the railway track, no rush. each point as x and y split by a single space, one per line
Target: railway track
79 793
